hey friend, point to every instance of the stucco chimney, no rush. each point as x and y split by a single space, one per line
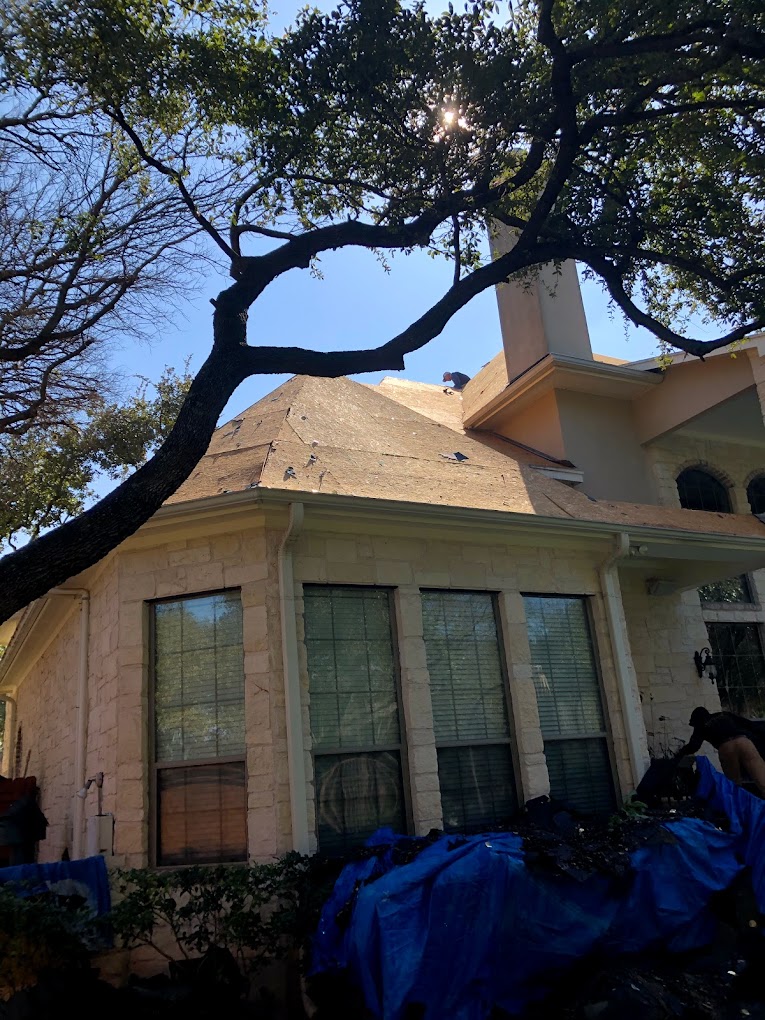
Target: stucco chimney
543 317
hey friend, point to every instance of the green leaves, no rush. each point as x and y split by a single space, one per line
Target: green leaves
47 475
260 912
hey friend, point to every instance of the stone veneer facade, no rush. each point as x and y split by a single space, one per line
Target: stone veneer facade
245 558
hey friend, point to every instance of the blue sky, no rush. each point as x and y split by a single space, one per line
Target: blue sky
358 305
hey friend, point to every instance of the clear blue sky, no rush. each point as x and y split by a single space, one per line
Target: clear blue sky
358 305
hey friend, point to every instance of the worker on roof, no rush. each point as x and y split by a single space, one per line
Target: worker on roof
732 736
458 379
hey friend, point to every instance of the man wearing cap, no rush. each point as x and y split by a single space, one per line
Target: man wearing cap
458 379
731 735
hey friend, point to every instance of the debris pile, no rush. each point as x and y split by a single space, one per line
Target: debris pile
655 914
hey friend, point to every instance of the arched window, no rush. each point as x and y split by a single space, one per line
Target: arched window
698 490
755 493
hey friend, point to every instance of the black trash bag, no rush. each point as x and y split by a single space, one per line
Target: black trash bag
660 781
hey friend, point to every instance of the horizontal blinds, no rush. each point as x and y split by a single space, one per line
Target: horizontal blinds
569 701
580 774
202 814
737 652
466 681
468 695
563 666
355 726
198 678
477 786
351 668
356 794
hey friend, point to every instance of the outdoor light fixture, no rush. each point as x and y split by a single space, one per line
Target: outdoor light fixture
98 781
705 664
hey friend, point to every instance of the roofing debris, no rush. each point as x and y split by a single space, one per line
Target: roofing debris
644 918
387 442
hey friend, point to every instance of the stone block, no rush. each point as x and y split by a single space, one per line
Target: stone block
393 572
341 550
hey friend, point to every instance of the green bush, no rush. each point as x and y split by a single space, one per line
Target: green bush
40 933
259 913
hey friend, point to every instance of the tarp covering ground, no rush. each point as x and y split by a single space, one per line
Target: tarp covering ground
86 879
467 925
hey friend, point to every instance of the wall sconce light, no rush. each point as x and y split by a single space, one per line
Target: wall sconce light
705 664
98 781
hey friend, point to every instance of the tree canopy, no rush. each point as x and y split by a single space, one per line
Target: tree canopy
629 137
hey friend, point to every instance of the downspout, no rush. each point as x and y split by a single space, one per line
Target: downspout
81 731
290 666
626 681
10 733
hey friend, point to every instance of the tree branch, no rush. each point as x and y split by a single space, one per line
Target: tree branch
173 175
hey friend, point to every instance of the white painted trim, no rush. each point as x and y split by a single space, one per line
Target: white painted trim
9 735
629 693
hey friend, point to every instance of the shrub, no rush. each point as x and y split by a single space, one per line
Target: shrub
259 913
40 933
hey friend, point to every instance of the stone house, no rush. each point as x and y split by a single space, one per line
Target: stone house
403 605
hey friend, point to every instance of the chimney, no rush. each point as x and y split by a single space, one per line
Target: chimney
541 316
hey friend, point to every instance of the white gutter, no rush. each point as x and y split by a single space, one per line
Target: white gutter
9 735
81 731
290 666
626 680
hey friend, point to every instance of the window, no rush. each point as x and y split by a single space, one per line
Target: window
737 652
198 730
755 493
470 711
698 490
733 589
569 701
355 715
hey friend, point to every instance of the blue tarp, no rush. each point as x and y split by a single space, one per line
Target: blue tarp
87 878
746 815
463 929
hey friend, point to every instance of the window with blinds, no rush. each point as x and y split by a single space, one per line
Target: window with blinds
470 710
569 701
198 730
355 714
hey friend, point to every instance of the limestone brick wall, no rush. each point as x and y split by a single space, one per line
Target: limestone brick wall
47 713
664 632
46 717
200 563
409 561
735 465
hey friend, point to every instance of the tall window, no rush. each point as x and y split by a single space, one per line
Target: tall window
198 700
470 712
570 702
737 651
355 717
755 493
698 490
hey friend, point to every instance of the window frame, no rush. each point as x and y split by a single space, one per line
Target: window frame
607 733
758 626
703 470
402 747
155 766
759 477
512 737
